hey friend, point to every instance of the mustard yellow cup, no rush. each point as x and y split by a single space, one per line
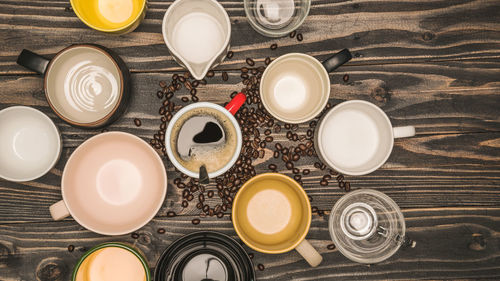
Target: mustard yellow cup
111 16
272 214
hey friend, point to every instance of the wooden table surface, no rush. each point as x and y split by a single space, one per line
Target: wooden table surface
431 64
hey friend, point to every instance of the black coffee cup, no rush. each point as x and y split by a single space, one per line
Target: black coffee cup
204 256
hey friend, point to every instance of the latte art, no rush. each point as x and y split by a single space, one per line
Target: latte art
203 136
91 88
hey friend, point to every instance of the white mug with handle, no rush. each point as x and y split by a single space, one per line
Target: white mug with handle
356 137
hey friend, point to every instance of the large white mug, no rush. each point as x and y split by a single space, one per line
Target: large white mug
356 137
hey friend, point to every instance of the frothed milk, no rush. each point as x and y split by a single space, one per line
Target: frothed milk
198 37
351 137
269 211
83 84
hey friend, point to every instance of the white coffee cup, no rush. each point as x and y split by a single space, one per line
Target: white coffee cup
30 144
197 34
228 111
356 137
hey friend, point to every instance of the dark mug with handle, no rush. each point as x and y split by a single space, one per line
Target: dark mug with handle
86 85
295 87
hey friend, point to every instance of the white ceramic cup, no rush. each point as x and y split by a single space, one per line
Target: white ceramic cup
356 137
295 87
197 34
188 108
30 144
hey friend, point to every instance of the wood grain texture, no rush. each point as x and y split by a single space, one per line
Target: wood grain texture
431 64
453 161
39 251
377 32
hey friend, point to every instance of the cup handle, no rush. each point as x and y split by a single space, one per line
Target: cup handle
403 132
307 251
234 105
33 61
333 62
59 211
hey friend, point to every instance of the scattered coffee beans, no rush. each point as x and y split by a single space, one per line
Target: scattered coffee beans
260 267
71 248
274 46
300 37
161 230
137 122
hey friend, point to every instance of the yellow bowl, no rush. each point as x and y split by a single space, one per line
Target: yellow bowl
111 16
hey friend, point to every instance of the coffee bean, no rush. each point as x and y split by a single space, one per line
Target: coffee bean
277 128
245 76
347 186
230 54
224 207
262 153
317 165
272 166
296 170
340 177
163 84
185 99
184 204
206 208
159 94
312 124
300 37
185 193
314 209
331 247
244 69
269 139
295 157
210 193
250 62
250 255
171 214
190 197
289 165
341 184
260 267
327 177
323 183
71 248
261 69
195 221
134 235
201 197
295 137
278 146
284 150
267 61
137 122
345 78
254 71
220 215
276 154
177 181
182 79
274 46
210 73
306 172
195 98
297 177
162 111
225 77
292 34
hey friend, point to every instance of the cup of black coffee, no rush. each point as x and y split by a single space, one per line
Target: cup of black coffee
205 134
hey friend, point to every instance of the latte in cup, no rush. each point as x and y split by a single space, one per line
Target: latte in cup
203 136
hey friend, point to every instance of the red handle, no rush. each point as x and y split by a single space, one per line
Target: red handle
236 103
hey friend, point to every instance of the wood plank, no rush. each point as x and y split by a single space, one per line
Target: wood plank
447 164
386 32
452 243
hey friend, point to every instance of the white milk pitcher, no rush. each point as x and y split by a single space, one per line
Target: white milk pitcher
197 34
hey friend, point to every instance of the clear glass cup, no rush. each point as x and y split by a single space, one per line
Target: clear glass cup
367 226
276 18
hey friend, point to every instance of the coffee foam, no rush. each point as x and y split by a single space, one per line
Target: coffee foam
214 158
